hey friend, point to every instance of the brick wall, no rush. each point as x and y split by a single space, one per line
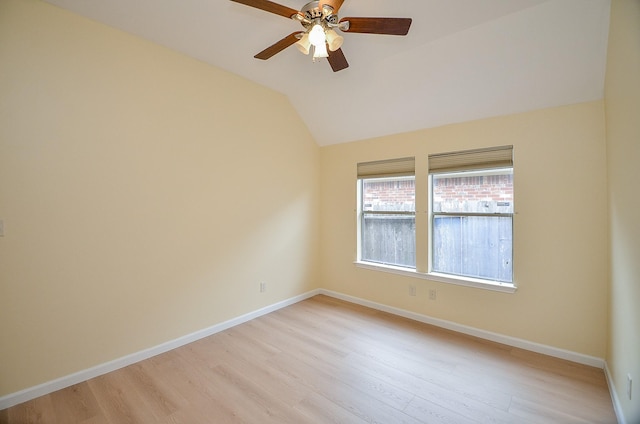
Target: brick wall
491 191
390 195
496 188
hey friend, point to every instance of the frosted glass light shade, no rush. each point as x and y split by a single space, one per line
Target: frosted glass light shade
320 51
304 44
334 40
317 36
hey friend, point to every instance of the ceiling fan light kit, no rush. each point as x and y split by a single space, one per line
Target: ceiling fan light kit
318 39
304 45
334 41
320 20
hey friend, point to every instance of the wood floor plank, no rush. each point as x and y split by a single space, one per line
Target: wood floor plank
322 410
199 389
98 419
434 385
542 413
75 403
358 400
118 400
36 411
430 412
324 360
253 402
150 392
268 378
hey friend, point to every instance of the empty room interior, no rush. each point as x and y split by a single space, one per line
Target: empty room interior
168 202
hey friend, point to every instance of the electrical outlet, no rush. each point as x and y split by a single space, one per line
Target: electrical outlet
629 385
263 287
412 290
433 294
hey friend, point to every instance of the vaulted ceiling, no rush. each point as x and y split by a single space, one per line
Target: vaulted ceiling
462 59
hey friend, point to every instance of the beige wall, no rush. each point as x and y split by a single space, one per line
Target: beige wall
560 244
144 195
622 101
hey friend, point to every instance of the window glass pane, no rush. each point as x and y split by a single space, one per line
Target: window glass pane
389 239
467 245
473 246
386 237
474 192
389 194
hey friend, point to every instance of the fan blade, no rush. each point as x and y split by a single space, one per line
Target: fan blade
389 26
279 46
337 60
335 4
269 6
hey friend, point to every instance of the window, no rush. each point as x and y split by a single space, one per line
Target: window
463 216
387 212
471 214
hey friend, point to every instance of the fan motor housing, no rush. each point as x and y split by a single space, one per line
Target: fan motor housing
313 13
312 10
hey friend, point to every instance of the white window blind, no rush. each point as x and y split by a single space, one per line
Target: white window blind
467 160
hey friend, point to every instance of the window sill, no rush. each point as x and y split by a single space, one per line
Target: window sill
442 278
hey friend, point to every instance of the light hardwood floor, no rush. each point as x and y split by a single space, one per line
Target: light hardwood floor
327 361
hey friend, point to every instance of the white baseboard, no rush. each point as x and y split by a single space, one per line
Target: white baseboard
476 332
84 375
617 406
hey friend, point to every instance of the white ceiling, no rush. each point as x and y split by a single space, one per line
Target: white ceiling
462 59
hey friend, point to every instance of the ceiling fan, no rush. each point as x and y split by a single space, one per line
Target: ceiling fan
320 20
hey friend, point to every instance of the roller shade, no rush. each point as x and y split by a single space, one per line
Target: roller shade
387 168
467 160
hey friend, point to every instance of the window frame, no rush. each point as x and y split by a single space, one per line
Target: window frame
493 157
362 213
461 278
